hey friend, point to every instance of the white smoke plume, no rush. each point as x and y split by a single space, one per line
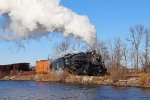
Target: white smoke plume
29 19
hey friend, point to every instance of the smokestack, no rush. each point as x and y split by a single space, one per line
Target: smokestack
30 19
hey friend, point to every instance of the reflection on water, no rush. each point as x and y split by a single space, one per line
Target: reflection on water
30 90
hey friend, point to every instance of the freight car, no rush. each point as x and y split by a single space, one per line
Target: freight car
15 67
6 69
88 63
43 66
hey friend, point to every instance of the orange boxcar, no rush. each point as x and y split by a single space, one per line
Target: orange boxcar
43 66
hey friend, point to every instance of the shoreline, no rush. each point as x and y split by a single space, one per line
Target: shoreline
63 77
102 84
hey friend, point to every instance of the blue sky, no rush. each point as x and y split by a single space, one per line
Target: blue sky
112 18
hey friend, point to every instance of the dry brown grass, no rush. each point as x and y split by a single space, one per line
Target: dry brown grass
118 73
53 76
26 75
86 79
74 79
1 74
135 71
145 78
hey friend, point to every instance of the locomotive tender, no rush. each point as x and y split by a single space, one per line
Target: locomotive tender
88 63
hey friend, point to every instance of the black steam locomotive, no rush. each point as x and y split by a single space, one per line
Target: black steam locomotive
88 63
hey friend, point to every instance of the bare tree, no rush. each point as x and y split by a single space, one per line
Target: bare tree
136 34
145 55
125 52
78 44
63 46
111 53
102 49
118 52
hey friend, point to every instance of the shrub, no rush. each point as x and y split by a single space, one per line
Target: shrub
145 78
54 76
118 73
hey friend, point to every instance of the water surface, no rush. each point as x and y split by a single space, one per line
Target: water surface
31 90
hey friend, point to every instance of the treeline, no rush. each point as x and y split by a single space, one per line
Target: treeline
132 52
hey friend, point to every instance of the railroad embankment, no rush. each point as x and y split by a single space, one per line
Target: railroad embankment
141 80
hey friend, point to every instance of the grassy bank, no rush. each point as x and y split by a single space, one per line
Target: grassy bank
123 79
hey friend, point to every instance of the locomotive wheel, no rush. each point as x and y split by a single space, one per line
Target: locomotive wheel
81 71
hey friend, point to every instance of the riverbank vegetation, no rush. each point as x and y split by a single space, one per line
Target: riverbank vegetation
117 77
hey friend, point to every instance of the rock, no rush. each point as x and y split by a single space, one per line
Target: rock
11 78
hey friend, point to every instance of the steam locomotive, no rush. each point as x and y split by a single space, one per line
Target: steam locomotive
88 63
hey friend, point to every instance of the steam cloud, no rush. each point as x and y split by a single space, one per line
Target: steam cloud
29 19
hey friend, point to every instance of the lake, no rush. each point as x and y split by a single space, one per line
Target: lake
31 90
